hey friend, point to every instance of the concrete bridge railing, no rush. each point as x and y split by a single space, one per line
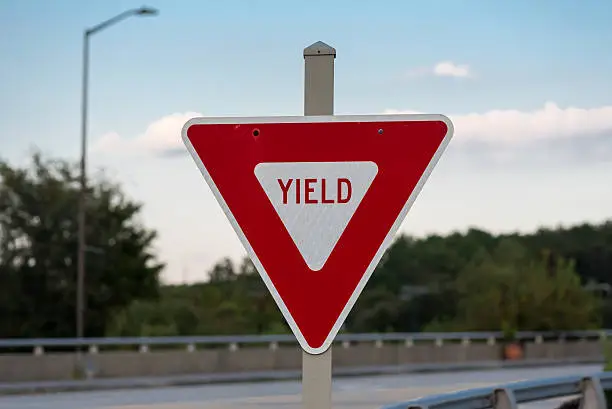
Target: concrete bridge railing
590 390
190 343
223 357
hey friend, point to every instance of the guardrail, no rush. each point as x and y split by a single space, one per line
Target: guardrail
234 342
509 396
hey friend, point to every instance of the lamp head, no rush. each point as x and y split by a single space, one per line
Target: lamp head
146 11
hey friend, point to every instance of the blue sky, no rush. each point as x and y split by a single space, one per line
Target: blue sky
527 83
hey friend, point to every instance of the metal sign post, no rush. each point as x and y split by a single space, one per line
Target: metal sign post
318 100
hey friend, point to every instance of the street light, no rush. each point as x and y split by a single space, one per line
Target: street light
82 245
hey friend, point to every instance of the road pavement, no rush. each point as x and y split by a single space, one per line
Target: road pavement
353 392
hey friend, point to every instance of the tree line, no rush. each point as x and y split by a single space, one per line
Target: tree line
552 279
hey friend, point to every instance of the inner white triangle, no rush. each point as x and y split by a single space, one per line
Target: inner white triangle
316 201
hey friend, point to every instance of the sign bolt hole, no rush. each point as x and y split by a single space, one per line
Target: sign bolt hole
380 131
255 132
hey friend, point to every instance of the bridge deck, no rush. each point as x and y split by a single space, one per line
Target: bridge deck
356 393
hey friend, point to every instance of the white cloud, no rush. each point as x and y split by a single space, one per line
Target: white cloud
450 69
513 126
501 127
161 136
442 69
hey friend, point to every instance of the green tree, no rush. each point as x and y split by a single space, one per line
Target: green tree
259 308
470 280
589 245
376 311
511 289
232 301
223 272
38 249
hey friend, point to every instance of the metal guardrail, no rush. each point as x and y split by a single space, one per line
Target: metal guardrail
590 389
234 342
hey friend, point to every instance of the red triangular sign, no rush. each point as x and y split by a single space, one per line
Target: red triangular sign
316 201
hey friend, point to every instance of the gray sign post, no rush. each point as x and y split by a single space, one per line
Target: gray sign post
318 100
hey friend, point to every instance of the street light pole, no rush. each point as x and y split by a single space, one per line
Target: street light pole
81 220
80 302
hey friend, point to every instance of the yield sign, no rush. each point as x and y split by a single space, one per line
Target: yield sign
316 201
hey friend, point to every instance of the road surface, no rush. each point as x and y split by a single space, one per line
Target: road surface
354 393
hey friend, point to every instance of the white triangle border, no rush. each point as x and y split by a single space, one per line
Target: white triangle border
388 238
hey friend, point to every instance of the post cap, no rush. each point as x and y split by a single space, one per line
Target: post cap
319 48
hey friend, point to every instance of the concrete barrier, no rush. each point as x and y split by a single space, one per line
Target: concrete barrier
163 363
